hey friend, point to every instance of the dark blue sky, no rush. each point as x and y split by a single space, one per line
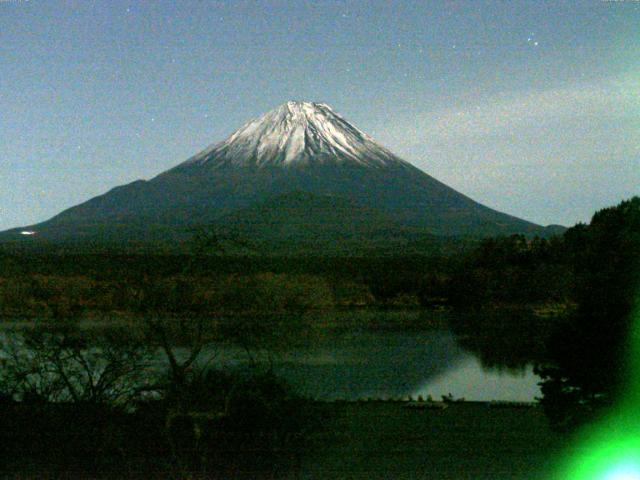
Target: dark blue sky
530 107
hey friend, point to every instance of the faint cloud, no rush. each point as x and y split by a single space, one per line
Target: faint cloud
508 113
551 156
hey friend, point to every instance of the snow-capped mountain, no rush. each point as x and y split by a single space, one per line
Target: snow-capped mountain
299 175
294 134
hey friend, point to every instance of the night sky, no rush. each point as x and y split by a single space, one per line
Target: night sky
530 107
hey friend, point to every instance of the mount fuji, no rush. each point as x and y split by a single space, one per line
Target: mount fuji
299 176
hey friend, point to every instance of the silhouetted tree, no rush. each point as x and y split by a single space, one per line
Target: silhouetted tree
586 371
61 362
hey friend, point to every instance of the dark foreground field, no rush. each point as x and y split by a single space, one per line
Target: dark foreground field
388 440
351 440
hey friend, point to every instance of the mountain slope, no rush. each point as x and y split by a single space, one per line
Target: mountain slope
305 156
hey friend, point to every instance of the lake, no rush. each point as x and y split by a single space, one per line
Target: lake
365 364
383 365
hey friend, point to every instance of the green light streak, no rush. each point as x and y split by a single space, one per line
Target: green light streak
610 449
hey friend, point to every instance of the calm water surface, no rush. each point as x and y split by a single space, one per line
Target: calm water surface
392 365
385 365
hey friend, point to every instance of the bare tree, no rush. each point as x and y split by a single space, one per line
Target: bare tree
65 363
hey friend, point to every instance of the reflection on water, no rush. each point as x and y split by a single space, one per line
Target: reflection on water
372 365
395 365
469 380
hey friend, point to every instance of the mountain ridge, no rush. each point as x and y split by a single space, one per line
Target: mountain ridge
296 147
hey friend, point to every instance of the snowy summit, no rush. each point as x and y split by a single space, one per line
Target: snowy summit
297 133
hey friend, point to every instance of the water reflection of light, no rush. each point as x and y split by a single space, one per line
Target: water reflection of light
470 381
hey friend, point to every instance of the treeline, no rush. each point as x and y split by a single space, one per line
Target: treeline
53 286
503 271
57 296
207 261
592 356
514 270
538 274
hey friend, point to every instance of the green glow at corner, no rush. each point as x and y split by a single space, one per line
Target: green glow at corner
624 472
610 449
604 458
